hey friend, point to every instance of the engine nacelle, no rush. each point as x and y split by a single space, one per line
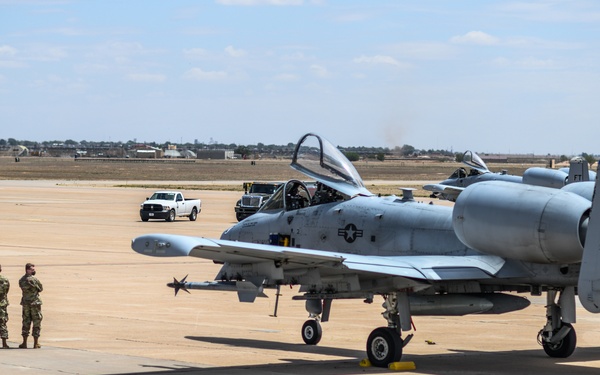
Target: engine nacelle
584 189
545 177
524 222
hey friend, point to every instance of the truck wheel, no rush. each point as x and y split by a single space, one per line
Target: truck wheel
171 216
239 216
193 215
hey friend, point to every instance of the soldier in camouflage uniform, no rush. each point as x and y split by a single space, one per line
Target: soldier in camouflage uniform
32 305
4 287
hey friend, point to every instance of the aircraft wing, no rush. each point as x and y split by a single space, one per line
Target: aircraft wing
431 268
448 190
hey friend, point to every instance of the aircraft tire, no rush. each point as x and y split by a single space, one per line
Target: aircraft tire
565 347
193 214
311 332
384 346
171 216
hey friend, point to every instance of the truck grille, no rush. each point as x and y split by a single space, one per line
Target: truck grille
153 207
251 201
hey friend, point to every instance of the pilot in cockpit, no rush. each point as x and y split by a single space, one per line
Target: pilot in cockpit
459 173
325 194
297 197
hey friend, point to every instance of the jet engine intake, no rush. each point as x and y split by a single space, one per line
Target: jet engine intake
524 222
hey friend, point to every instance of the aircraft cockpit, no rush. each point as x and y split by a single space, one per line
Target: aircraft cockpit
337 179
292 195
459 173
475 162
476 166
318 159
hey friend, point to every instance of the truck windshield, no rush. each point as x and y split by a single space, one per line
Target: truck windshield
162 196
262 189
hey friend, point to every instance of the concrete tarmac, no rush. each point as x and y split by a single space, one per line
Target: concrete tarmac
107 309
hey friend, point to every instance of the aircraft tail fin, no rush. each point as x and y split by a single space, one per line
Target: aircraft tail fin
589 276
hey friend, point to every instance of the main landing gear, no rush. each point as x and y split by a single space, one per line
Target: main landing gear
558 336
384 344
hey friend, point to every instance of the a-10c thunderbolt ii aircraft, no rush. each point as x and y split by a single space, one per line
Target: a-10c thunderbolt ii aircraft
343 242
451 187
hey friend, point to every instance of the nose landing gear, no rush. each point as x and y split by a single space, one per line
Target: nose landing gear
311 332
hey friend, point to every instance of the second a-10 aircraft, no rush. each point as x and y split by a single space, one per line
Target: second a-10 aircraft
562 178
343 242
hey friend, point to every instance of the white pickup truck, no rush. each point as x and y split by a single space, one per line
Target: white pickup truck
169 204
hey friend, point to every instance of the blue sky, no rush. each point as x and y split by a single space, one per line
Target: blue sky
489 76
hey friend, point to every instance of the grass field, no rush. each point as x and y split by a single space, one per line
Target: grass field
380 177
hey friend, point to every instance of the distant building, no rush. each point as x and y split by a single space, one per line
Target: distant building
215 154
149 153
169 153
188 154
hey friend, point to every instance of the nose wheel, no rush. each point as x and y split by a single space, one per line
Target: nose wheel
311 332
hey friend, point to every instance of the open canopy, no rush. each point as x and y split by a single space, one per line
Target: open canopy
474 161
319 159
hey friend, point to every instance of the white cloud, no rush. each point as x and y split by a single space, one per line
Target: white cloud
526 63
531 42
7 51
50 54
11 64
203 31
533 63
235 52
353 17
195 53
119 52
552 11
501 61
475 37
197 74
320 71
286 77
296 56
423 50
260 2
379 59
147 77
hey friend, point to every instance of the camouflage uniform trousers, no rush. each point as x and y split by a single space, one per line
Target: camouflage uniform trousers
32 314
3 321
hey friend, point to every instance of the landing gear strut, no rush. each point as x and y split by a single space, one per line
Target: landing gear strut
558 336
